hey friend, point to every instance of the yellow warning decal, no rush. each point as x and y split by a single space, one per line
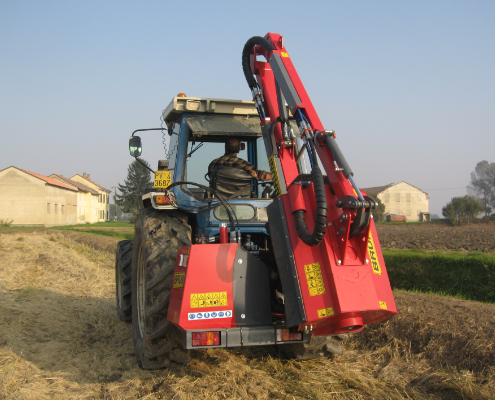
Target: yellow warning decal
213 299
383 305
284 54
325 312
314 278
179 279
273 170
375 264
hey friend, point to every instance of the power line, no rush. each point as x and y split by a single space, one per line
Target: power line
464 187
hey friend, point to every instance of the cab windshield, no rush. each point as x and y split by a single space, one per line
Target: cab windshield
201 154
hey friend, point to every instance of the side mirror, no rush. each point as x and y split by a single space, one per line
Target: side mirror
135 147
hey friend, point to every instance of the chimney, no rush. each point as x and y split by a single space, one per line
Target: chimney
84 174
87 176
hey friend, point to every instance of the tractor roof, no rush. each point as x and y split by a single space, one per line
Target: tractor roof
203 105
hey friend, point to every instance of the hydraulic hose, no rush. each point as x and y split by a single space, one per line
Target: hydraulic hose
246 61
315 238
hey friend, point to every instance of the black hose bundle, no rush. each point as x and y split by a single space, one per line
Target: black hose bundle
246 52
315 238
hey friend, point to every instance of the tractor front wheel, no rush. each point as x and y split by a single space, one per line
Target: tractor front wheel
123 273
157 237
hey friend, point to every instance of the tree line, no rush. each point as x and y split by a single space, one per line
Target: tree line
481 197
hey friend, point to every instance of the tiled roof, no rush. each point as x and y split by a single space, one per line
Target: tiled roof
377 189
94 183
50 181
80 186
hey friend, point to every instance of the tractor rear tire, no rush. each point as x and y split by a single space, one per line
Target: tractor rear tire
123 274
317 347
158 235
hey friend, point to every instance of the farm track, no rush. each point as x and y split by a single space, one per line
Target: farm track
60 337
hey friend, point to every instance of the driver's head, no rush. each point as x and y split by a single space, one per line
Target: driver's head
232 146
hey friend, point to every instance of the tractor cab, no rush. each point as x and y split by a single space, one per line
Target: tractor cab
197 130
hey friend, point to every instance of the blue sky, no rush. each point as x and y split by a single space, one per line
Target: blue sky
408 86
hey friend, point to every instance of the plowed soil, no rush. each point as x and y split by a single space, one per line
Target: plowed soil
60 337
476 237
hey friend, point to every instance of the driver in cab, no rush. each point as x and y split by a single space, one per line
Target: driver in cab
230 159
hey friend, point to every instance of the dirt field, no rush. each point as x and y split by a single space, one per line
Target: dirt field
478 237
60 337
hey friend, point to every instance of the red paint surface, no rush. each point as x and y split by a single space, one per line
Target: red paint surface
210 269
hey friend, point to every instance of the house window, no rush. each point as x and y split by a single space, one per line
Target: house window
408 213
47 207
397 212
397 197
62 209
408 196
56 208
386 197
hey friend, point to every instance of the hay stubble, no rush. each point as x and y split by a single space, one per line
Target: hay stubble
60 338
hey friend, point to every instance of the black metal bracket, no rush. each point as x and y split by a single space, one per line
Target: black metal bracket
363 209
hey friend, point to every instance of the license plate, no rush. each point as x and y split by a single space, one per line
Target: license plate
163 179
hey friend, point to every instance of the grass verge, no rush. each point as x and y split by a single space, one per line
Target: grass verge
118 230
469 276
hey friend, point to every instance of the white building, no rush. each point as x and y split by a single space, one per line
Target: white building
31 199
402 199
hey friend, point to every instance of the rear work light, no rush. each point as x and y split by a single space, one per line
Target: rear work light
289 335
206 338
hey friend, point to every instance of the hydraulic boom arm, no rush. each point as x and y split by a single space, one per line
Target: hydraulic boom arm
325 242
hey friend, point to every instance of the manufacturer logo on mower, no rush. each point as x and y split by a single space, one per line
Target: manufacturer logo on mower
375 264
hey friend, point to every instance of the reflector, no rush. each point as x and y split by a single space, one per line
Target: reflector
288 335
206 338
